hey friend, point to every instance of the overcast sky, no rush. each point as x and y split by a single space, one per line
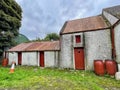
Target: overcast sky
41 17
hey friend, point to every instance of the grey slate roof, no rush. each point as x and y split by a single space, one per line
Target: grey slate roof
115 11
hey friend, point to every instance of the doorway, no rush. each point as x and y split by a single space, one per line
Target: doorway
79 58
41 59
19 58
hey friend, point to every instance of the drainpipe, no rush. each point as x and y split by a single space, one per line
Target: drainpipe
113 43
38 58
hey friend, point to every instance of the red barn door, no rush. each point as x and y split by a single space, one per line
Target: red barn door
19 58
41 59
79 58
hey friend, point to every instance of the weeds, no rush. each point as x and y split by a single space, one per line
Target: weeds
33 78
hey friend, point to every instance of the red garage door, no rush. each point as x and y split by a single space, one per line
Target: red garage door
79 58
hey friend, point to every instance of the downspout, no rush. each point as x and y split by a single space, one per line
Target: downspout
113 43
38 58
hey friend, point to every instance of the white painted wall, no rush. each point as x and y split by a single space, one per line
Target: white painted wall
30 58
51 58
97 46
112 19
117 42
57 56
13 56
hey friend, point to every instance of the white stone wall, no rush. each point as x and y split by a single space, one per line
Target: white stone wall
51 58
30 58
97 46
57 58
13 56
112 19
117 42
66 54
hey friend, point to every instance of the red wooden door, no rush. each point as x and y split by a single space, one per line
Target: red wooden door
42 59
19 58
79 58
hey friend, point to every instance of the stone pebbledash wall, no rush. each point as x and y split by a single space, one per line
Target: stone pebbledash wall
97 46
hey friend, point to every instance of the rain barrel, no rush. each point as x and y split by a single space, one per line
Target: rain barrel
5 62
99 67
111 67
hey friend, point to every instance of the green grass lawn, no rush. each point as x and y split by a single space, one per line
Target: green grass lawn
36 78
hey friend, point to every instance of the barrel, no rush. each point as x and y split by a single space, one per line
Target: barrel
99 67
5 62
111 67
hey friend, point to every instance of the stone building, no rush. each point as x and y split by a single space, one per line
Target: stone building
92 38
43 54
81 42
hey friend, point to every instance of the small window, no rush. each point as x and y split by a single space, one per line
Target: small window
78 38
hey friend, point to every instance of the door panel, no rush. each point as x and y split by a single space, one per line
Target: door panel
42 59
79 58
19 58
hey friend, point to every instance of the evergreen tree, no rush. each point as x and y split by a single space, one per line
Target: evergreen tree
10 22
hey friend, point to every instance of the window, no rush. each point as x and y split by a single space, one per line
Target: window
78 39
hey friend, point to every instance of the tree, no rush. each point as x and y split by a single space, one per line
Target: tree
51 36
10 22
36 40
